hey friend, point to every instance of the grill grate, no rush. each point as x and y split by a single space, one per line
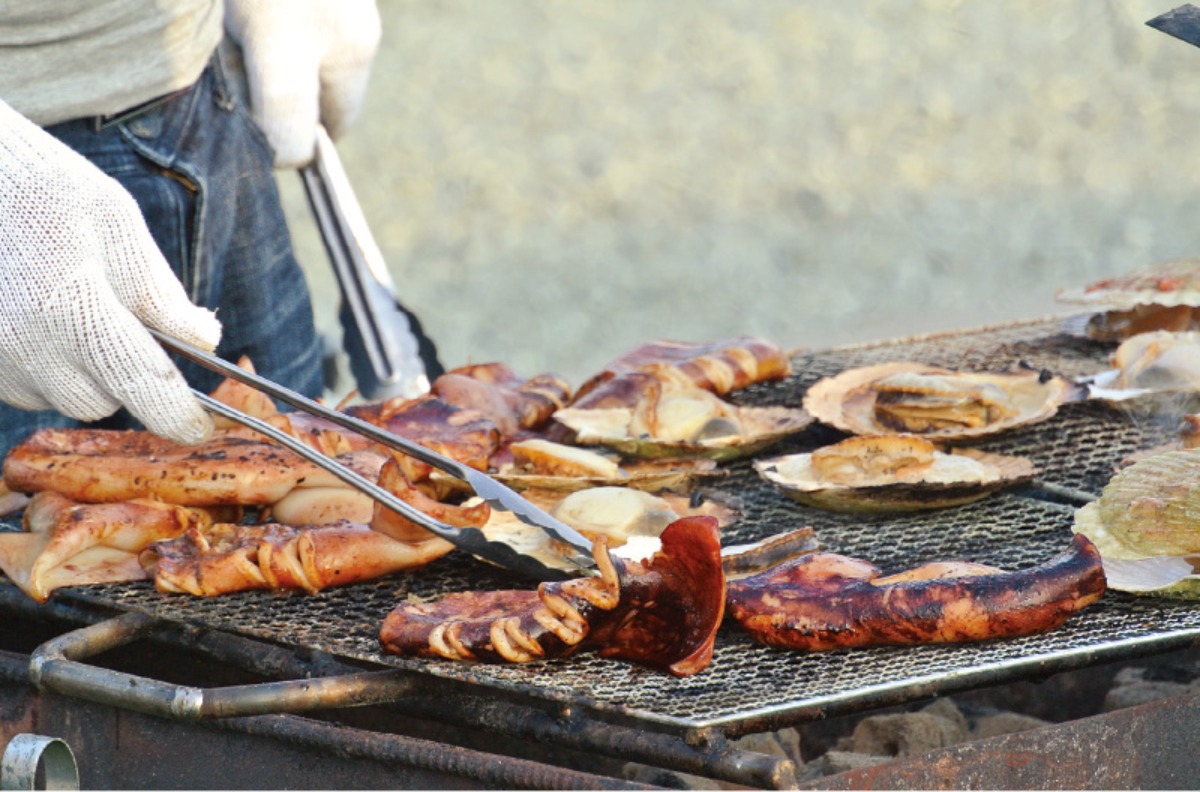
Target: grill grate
750 687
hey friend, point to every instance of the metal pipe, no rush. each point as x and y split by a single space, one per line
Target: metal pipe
301 695
708 755
704 753
484 768
54 666
25 753
14 667
493 770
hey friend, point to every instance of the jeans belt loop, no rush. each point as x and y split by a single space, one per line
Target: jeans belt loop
101 123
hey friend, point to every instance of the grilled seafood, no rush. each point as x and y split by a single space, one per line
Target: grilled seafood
545 464
239 466
470 415
828 601
66 543
463 435
205 551
1121 325
671 416
1165 296
220 558
914 398
630 521
1159 360
1155 373
469 514
662 613
891 473
1146 523
100 466
719 367
496 392
328 438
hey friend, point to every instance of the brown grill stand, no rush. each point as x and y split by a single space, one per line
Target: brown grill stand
55 666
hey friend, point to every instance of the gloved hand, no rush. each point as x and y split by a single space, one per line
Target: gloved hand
79 277
307 61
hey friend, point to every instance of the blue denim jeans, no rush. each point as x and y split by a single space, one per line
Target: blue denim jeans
200 170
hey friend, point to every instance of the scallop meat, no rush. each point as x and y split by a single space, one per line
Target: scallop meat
892 473
936 403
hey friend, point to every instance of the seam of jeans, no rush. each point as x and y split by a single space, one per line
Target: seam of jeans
186 174
223 94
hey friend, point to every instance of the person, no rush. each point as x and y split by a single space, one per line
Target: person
137 145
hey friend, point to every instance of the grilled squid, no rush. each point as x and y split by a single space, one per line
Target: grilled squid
663 612
718 367
222 558
67 543
829 601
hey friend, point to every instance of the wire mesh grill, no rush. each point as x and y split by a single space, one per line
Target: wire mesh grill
749 687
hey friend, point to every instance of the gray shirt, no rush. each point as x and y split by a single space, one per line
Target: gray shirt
63 59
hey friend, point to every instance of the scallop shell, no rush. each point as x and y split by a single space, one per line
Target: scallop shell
848 401
1175 282
1157 372
673 474
1121 325
1153 506
1165 296
753 428
893 473
630 520
544 470
1149 510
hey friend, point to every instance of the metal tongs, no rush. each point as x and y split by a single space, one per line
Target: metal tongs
577 548
388 350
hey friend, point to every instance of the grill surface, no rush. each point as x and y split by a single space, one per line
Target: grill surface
750 687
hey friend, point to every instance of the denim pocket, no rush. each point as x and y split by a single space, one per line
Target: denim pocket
201 171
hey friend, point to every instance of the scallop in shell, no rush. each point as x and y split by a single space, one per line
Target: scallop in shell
541 463
1146 524
1165 296
1152 372
674 418
891 473
629 519
936 403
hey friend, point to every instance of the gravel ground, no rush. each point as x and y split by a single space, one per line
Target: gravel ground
553 183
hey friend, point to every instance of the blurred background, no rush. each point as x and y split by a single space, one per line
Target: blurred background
553 183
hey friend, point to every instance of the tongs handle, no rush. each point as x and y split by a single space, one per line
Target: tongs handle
384 341
301 402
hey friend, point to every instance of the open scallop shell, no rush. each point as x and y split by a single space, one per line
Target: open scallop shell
987 403
1146 525
1121 325
892 473
1165 296
1156 372
547 465
1175 282
631 520
740 432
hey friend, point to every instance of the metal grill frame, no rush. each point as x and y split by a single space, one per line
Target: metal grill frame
748 687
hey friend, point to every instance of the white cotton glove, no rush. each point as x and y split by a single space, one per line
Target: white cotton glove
79 277
307 61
